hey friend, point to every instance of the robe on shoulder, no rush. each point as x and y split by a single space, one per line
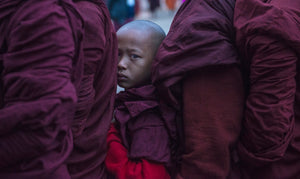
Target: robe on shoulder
197 67
40 70
268 38
140 148
97 91
142 128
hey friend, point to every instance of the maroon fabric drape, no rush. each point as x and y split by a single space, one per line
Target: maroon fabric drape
201 35
96 92
212 115
141 126
40 67
122 167
268 37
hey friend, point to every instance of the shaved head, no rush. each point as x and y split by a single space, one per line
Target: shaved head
156 33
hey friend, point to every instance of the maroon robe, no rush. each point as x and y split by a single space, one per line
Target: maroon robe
198 50
213 106
268 37
96 92
122 167
39 65
141 126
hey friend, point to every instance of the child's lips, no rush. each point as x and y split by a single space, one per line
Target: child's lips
121 77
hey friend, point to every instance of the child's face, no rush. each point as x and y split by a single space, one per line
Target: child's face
135 58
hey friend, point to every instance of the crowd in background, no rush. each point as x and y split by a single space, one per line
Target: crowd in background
123 11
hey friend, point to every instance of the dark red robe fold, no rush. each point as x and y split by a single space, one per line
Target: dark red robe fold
201 36
268 37
97 90
141 126
212 112
143 135
118 163
39 66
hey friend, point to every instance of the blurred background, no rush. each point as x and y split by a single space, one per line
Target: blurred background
159 11
162 15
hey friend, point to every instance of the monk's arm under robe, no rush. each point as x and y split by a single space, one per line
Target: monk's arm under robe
122 167
94 42
97 90
149 138
212 114
38 95
269 115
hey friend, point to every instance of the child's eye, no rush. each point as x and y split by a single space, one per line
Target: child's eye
120 55
134 56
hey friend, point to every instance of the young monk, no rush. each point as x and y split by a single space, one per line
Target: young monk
96 93
138 143
197 74
269 146
40 69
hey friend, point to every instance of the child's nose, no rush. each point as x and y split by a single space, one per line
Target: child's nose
122 63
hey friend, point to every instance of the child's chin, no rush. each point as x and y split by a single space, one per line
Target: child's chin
122 85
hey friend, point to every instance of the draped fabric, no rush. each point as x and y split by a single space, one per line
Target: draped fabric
141 126
212 115
118 162
196 63
200 35
40 66
96 92
268 38
7 9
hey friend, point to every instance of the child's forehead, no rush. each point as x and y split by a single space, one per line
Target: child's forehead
142 33
134 29
134 35
145 26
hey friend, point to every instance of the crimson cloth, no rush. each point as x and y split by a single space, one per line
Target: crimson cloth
201 36
39 66
97 91
268 37
212 112
122 167
141 126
